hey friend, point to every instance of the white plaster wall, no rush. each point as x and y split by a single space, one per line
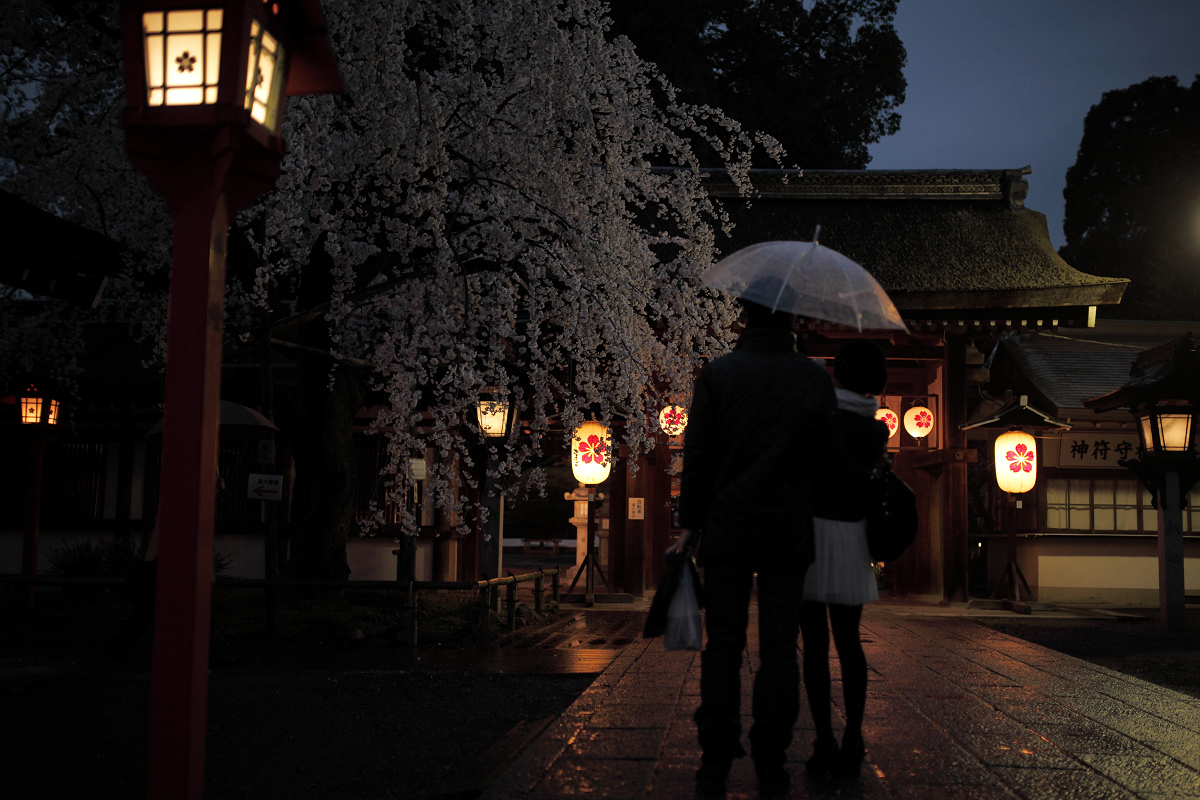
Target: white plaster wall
247 554
371 558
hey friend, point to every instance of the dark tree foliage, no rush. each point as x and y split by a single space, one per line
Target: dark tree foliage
1133 197
824 77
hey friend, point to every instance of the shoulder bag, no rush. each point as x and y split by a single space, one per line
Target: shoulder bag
892 520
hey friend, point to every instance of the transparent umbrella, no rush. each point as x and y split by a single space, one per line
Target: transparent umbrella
807 279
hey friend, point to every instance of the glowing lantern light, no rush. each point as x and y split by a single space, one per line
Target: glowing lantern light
889 418
918 422
672 419
591 453
37 409
493 412
183 50
1016 461
1166 426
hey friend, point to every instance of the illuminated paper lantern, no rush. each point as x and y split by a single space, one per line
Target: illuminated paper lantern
672 419
889 418
493 411
591 453
1016 461
918 422
37 409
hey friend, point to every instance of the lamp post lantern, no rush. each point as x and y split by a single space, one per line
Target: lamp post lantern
1163 394
494 412
591 462
205 86
1016 467
36 408
39 414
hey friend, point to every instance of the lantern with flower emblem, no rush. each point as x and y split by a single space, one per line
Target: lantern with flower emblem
672 419
1016 461
37 409
591 453
889 418
918 422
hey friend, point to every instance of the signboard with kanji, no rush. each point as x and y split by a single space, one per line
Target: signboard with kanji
265 487
1096 449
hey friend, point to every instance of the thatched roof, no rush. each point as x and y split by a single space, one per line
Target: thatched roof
935 240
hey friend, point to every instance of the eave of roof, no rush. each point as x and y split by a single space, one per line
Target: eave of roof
52 257
1070 368
935 240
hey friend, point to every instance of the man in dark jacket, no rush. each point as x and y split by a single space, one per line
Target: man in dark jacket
760 426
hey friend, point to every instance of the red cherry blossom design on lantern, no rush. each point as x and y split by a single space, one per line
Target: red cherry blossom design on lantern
673 420
891 420
923 419
1021 458
593 451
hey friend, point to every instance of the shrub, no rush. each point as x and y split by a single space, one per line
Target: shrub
91 558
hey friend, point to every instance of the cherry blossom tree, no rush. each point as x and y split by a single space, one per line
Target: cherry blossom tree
478 210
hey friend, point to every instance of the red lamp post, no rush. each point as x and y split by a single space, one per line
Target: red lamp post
205 87
39 414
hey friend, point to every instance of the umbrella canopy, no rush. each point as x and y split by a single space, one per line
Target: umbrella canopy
231 414
807 279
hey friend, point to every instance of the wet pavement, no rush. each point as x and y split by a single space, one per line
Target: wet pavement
955 710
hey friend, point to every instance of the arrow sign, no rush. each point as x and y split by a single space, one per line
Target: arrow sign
265 487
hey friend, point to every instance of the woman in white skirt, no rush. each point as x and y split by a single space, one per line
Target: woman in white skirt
841 579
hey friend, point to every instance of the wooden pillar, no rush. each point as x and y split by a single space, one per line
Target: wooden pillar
618 541
955 527
658 510
635 531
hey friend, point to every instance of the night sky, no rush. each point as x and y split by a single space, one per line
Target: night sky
1000 84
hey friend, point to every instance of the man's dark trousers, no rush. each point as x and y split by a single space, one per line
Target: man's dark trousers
776 703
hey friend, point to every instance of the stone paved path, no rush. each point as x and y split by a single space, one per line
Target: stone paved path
955 710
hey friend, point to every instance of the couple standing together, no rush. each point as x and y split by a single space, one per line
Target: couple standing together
776 461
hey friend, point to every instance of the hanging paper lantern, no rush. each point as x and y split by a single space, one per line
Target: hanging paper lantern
591 453
672 420
918 422
1016 462
889 418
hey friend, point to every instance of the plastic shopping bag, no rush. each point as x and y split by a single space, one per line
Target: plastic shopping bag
683 617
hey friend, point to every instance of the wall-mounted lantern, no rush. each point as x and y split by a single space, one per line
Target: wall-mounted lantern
673 419
918 422
889 418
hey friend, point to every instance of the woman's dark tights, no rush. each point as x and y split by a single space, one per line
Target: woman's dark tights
814 631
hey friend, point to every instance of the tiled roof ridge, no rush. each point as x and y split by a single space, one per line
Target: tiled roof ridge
908 184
